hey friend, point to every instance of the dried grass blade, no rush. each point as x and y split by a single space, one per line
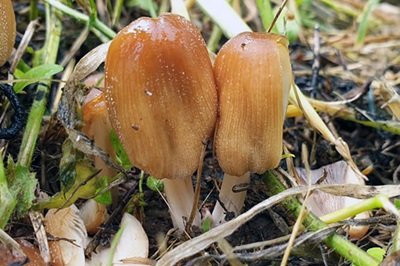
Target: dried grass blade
201 242
297 98
88 64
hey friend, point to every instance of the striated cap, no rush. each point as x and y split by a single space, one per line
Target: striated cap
161 94
253 76
7 30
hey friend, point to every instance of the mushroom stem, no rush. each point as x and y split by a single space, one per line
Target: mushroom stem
180 196
231 197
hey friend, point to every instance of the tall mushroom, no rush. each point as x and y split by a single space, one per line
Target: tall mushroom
162 102
253 76
7 30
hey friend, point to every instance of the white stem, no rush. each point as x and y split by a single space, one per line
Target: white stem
180 197
232 201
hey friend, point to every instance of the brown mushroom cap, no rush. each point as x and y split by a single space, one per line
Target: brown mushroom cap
97 126
253 76
7 30
161 94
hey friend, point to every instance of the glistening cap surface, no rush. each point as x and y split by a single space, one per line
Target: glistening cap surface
253 76
161 94
7 30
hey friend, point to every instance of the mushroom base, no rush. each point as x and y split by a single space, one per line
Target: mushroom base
232 201
180 197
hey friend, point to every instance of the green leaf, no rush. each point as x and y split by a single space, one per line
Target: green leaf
68 161
7 200
104 198
377 253
397 203
86 185
206 225
154 184
122 156
22 186
36 74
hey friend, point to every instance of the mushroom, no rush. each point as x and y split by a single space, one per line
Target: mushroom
253 76
7 30
162 102
66 224
93 215
97 126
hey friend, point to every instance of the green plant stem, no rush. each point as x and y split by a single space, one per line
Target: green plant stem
33 10
7 200
396 239
163 7
141 177
152 9
114 245
96 23
117 11
383 125
362 28
35 117
215 37
376 202
93 12
266 14
338 243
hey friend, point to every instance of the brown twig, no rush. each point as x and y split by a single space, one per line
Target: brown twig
197 190
277 15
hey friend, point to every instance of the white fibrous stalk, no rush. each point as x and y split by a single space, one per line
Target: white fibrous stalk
180 197
232 200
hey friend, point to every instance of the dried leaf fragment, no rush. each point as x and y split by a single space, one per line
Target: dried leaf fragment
321 203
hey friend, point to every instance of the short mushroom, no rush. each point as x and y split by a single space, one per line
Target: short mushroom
162 102
97 126
253 76
7 30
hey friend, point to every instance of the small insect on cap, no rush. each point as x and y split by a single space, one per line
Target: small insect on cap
253 76
7 30
161 94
